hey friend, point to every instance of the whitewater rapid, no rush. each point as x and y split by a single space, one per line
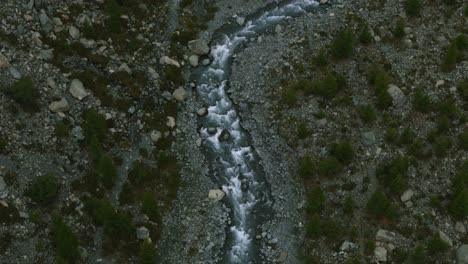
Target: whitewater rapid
236 165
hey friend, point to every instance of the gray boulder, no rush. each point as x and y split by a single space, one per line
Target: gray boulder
74 32
180 94
142 233
399 98
59 106
4 63
77 89
3 188
462 254
199 46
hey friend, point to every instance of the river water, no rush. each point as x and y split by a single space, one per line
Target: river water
235 166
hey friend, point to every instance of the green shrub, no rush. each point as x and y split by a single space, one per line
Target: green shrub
421 101
394 174
448 108
466 11
314 229
436 245
380 79
399 31
65 240
321 60
379 205
451 58
332 230
61 129
303 131
463 89
418 256
413 7
367 114
463 139
8 215
315 200
150 207
406 137
107 171
349 205
25 94
306 167
391 136
43 189
442 144
94 124
329 167
343 45
114 12
290 96
147 253
342 151
458 206
141 174
365 37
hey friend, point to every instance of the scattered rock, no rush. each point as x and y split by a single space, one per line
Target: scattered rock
74 32
380 254
460 227
216 195
47 55
240 20
283 256
199 47
165 60
170 122
180 94
14 73
439 83
346 246
193 60
77 89
155 136
444 237
462 254
406 196
384 236
202 111
59 106
397 95
4 63
368 138
51 83
278 28
142 233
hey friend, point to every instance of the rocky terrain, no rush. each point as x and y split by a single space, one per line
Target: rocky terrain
357 111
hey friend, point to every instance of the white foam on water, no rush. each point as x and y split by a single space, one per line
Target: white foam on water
240 183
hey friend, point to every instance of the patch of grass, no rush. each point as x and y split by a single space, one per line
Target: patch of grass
25 94
43 189
343 45
64 239
321 60
406 137
367 114
413 7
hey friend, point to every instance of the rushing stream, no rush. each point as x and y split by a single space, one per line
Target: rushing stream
235 164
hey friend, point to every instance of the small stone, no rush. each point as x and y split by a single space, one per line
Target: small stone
165 60
460 227
24 215
193 60
124 67
346 246
202 111
439 83
170 122
216 195
444 237
322 122
282 257
384 236
180 94
74 32
278 29
4 63
77 89
155 136
380 254
59 106
14 73
240 20
47 54
406 196
397 95
368 138
51 83
377 39
142 233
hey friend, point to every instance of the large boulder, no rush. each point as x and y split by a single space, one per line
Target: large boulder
384 236
380 254
77 89
74 32
199 46
142 233
59 106
406 196
444 237
462 254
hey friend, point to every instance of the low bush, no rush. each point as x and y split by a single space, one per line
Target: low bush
107 171
306 167
290 96
315 200
314 226
25 94
455 52
64 240
61 129
399 31
463 139
436 245
43 189
303 131
418 256
380 206
349 205
394 173
329 166
147 253
94 124
413 7
367 114
342 151
380 79
463 89
421 101
458 205
321 60
141 174
150 207
365 36
406 137
343 45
